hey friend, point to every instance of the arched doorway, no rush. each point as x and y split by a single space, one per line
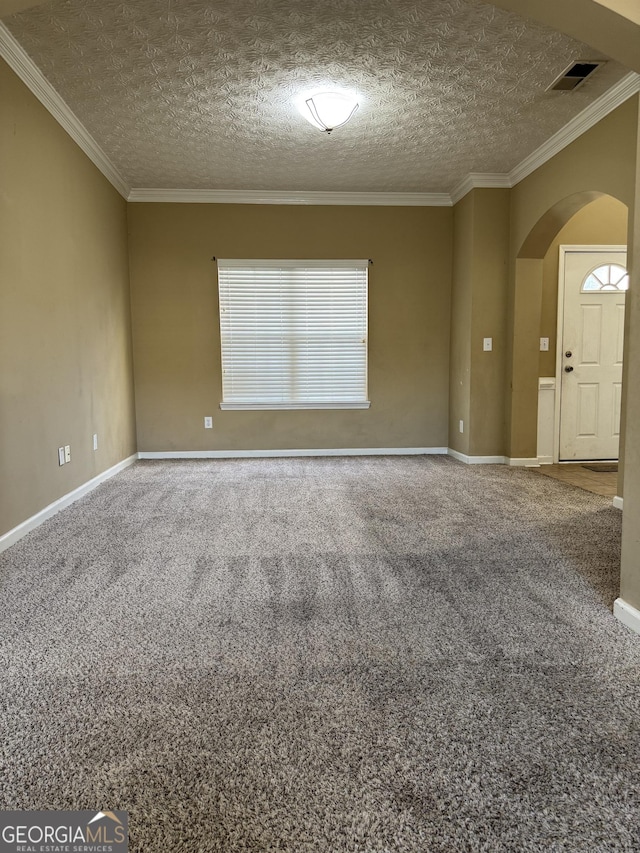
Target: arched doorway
587 219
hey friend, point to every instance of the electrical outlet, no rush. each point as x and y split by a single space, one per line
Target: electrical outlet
61 456
487 344
461 426
67 453
544 344
95 441
208 423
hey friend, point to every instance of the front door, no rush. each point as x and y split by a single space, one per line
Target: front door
591 356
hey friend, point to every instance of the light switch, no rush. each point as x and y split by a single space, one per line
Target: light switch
544 344
487 344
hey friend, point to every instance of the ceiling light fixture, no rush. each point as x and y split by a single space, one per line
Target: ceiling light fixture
328 110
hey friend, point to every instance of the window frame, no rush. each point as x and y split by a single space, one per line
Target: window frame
294 267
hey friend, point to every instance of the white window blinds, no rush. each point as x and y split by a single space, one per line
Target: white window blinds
293 333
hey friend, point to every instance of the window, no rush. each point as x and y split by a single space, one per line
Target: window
293 334
611 277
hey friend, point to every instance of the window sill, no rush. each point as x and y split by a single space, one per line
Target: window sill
361 404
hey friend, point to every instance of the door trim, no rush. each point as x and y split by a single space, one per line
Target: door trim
564 250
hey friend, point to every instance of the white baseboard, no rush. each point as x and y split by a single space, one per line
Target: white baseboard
532 462
627 614
331 451
617 502
476 460
545 460
12 536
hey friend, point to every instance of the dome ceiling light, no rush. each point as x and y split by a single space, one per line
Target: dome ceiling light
328 110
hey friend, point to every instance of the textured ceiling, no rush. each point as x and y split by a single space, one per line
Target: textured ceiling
199 93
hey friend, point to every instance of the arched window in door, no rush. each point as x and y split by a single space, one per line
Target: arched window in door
611 277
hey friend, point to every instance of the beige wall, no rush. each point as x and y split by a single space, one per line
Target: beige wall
604 222
461 303
177 337
600 162
65 350
479 297
491 281
630 569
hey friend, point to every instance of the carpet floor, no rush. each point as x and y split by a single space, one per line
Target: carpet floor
381 654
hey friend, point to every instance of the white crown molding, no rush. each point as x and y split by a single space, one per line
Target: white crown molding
34 79
585 120
139 194
595 112
491 180
590 116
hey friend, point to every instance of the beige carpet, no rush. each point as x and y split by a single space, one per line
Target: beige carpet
397 655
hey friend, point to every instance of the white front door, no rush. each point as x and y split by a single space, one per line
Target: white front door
591 354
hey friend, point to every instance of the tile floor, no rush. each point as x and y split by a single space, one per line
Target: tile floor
600 482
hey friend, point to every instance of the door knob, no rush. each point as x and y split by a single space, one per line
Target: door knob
568 369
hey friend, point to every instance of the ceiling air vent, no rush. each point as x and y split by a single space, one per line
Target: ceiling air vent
574 75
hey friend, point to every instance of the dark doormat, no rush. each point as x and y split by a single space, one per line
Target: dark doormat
603 467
